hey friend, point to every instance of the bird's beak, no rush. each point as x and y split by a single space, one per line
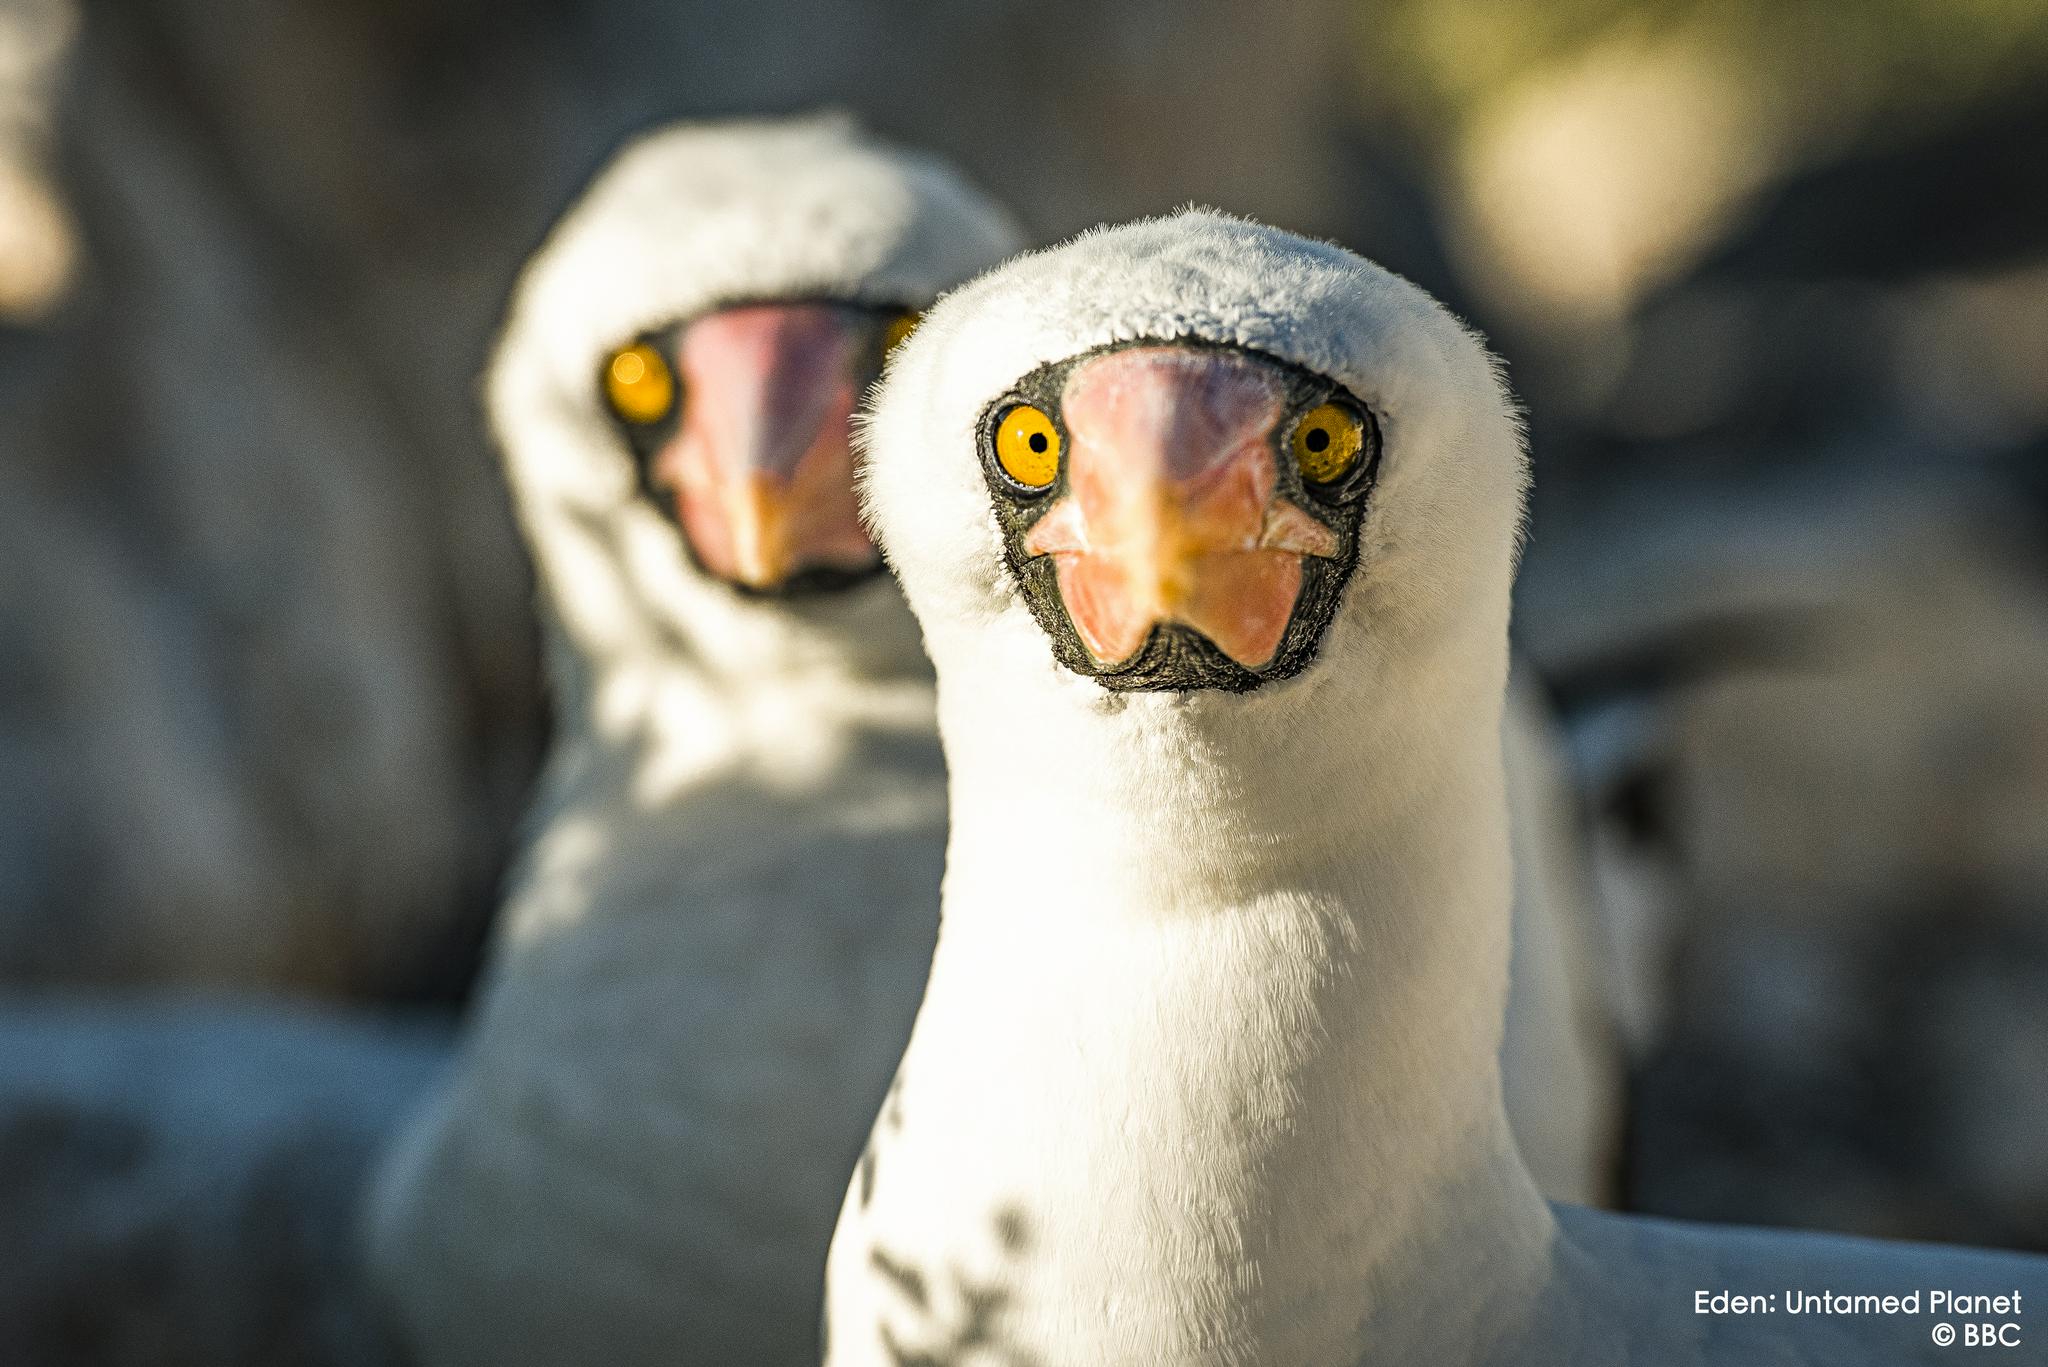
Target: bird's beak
1171 513
762 462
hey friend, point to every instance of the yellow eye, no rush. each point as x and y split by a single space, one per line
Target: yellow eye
1327 442
1028 447
900 328
638 385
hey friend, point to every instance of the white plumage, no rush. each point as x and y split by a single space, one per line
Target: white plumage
715 937
1207 1067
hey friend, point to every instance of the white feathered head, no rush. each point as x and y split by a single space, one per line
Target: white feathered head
681 361
1197 456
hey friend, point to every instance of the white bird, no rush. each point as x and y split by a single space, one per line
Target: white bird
710 959
1210 529
714 941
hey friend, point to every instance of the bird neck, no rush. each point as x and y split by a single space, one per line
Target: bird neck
667 774
664 678
790 709
1210 1038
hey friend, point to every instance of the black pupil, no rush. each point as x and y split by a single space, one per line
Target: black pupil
1037 441
1317 439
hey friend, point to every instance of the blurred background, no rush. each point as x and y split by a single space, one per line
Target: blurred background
1772 279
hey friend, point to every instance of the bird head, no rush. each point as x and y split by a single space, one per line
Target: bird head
674 388
738 420
1199 456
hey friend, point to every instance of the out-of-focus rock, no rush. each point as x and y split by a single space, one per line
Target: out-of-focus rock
238 712
1818 745
1588 157
178 1179
1592 183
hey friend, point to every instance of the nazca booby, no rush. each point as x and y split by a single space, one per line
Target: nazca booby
715 939
1210 529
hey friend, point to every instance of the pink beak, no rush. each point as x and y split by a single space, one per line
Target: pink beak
1171 513
762 463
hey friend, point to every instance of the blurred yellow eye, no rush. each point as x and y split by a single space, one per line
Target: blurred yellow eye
638 385
1327 443
900 328
1028 447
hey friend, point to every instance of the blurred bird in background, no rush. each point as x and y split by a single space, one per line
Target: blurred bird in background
1771 280
723 913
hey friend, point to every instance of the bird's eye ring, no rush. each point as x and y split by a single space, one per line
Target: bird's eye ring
1328 442
639 385
1027 447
